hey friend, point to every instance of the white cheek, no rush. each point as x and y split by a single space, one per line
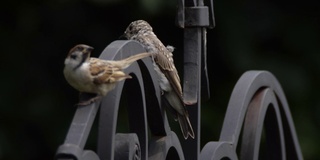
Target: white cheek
71 63
85 66
67 61
80 75
83 71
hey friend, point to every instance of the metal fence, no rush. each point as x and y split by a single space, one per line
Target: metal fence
257 108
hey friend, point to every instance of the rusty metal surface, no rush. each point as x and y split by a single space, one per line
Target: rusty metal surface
283 130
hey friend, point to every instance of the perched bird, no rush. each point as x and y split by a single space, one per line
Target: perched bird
94 75
169 80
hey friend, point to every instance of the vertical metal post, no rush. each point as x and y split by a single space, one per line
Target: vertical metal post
193 16
192 90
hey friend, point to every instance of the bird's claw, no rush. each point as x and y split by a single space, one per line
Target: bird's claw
84 103
88 102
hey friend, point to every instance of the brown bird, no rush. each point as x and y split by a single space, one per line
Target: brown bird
169 79
94 75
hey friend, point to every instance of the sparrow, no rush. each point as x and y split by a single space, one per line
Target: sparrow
93 75
169 79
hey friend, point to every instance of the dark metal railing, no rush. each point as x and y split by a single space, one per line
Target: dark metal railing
136 143
257 102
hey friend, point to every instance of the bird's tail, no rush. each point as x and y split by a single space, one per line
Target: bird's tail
128 61
185 126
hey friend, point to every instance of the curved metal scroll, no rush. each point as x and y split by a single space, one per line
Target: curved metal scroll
257 101
144 91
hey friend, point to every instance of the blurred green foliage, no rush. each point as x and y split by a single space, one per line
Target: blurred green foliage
37 103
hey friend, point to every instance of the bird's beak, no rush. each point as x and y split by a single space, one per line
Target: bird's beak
123 37
86 56
89 49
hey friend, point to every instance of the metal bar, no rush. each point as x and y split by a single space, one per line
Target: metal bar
263 109
192 74
81 125
110 103
218 151
156 116
244 90
167 147
192 63
196 18
78 132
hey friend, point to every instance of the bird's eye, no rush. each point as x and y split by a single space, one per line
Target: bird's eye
73 56
80 48
130 28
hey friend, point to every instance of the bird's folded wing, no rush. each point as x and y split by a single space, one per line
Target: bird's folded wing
103 72
166 65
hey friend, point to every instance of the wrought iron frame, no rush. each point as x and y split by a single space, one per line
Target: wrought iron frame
257 102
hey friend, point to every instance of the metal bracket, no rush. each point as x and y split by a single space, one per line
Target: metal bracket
195 15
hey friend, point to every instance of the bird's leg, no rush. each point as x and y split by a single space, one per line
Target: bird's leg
86 99
90 101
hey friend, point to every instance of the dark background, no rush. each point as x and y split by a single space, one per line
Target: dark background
36 103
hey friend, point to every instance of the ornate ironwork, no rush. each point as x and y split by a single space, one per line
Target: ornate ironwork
257 107
136 144
257 101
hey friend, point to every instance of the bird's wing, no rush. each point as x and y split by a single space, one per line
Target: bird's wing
163 59
104 72
165 62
